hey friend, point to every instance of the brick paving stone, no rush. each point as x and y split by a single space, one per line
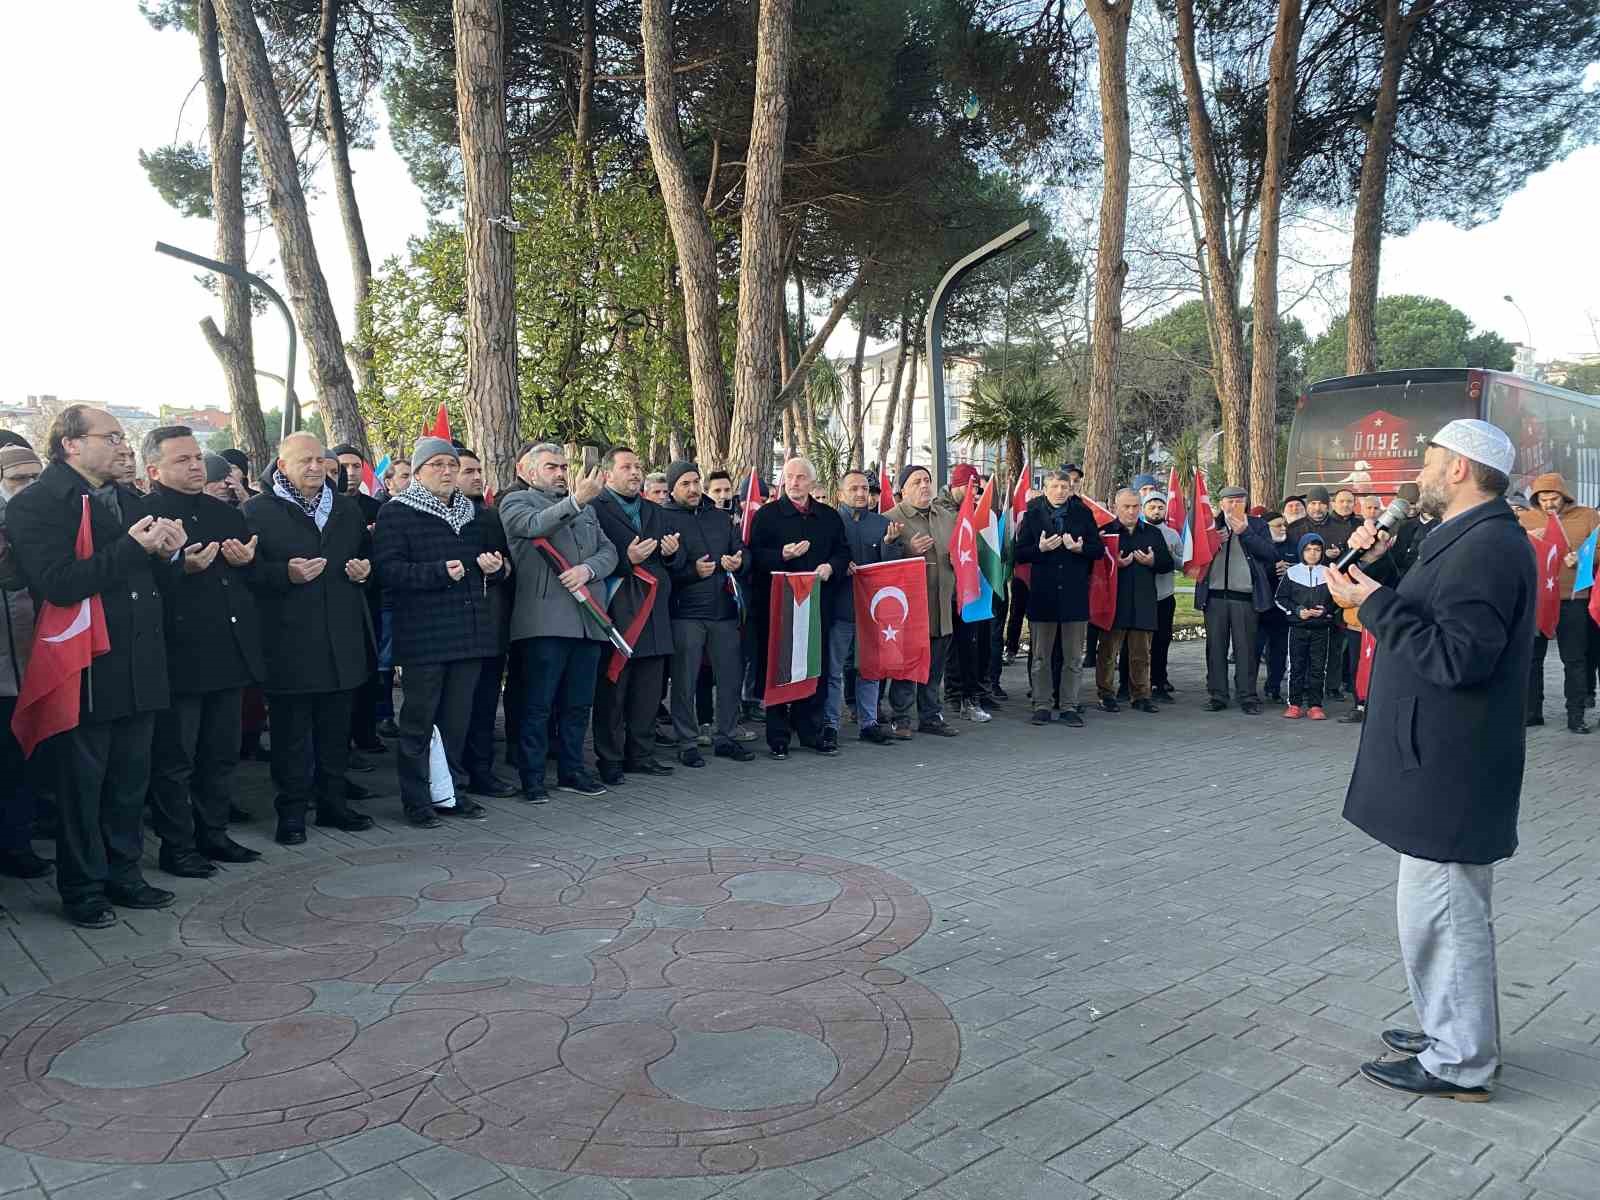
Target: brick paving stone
148 1183
292 1178
1451 1176
1008 1174
1127 1182
1565 1174
1238 1161
950 1152
14 1172
386 1182
448 1173
375 1147
1368 1160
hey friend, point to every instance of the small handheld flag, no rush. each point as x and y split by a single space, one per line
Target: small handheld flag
1199 537
964 552
1176 511
441 424
885 491
752 501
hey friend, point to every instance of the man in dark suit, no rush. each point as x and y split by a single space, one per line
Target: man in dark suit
624 711
1439 773
314 555
103 766
213 654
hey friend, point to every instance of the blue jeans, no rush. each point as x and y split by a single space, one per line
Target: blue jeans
841 637
558 676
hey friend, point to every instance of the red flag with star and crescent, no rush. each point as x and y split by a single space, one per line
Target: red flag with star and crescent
1103 585
1549 550
891 603
1369 651
964 550
886 499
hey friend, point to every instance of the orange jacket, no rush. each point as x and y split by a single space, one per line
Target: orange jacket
1577 522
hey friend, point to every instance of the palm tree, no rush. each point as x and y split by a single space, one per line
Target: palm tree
1021 409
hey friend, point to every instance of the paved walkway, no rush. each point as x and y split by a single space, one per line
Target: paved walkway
1139 960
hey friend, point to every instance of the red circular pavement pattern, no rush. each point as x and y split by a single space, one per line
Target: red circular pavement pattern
688 1013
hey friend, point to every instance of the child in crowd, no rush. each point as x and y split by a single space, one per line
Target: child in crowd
1304 599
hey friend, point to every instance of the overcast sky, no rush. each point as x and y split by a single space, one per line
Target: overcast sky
91 312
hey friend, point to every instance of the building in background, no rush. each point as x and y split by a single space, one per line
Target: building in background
877 376
204 421
32 418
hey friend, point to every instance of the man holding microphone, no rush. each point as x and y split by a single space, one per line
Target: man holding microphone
1439 773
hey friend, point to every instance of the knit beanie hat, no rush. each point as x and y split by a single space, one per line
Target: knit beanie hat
907 471
678 470
217 468
1305 540
17 456
428 447
962 474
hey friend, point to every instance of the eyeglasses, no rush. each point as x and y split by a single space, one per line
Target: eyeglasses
115 439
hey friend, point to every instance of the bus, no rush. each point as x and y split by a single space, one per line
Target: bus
1368 432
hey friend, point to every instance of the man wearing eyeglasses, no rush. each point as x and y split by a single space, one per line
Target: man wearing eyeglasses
103 765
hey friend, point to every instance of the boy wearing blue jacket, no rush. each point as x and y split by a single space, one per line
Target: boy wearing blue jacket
1306 603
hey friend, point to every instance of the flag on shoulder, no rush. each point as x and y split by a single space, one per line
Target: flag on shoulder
794 637
990 526
66 639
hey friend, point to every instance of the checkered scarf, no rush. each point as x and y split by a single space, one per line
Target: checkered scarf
457 514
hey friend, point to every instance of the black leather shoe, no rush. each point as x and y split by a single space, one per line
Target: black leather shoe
359 764
611 776
1107 704
581 785
734 751
937 729
1409 1076
185 863
1163 694
828 743
91 914
1216 705
492 786
691 758
778 750
1145 706
290 834
227 850
425 820
350 822
24 864
1072 718
140 895
464 810
1250 708
649 766
1041 716
1406 1041
877 735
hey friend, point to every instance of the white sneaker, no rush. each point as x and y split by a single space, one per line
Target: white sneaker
973 711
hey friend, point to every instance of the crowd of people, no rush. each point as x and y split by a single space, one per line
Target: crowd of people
608 607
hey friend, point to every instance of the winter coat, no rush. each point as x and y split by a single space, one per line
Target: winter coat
435 619
1577 522
863 534
939 521
704 531
1439 772
500 598
1260 552
1408 539
656 637
1305 587
543 608
1059 589
318 635
1334 531
778 523
16 611
213 624
1136 583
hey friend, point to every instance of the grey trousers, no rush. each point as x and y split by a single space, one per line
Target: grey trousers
1446 920
692 642
1235 618
929 705
1042 649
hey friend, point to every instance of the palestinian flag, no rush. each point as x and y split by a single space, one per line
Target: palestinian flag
991 568
594 612
794 637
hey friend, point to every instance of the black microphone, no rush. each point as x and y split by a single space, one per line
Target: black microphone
1397 511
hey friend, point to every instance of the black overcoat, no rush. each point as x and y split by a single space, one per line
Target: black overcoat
42 522
1136 583
213 627
778 523
656 637
1059 588
317 636
1439 772
436 619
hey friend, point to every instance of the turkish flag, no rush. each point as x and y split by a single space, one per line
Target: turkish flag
964 551
441 424
1103 586
1201 538
885 491
752 502
1176 510
1549 550
1369 651
65 641
891 602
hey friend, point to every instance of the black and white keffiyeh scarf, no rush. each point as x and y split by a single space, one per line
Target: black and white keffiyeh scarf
317 509
457 514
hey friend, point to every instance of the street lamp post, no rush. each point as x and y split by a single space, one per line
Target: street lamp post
1527 329
291 405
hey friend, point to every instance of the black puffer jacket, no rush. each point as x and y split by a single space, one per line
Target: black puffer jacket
702 531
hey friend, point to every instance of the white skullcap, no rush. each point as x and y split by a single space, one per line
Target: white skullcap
1480 441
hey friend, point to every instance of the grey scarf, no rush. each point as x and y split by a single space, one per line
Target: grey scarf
317 510
457 514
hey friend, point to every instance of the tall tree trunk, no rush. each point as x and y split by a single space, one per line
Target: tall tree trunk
1361 344
234 344
820 338
760 240
691 235
908 402
857 417
1110 19
286 200
491 393
791 444
337 136
891 407
1264 295
1229 363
